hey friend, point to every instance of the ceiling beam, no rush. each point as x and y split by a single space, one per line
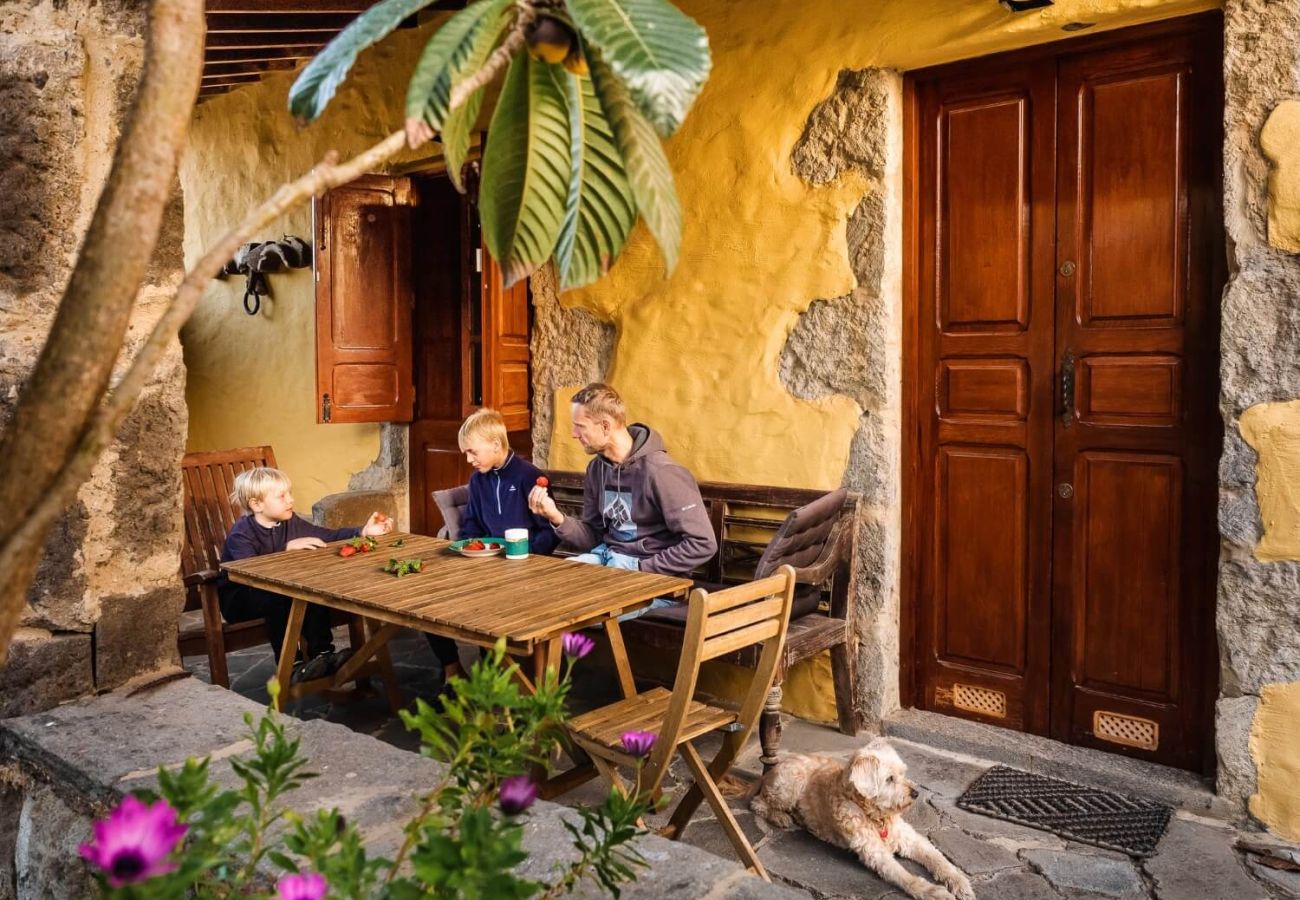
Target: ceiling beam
256 7
237 78
247 68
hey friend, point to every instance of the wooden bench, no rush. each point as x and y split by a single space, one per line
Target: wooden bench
745 518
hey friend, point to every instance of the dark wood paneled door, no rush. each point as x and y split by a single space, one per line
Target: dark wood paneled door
1066 246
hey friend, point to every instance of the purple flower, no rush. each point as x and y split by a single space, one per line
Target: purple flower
517 794
577 645
133 843
307 886
638 743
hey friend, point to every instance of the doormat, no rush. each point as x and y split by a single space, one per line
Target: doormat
1128 824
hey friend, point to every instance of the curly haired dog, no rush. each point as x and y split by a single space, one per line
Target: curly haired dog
859 806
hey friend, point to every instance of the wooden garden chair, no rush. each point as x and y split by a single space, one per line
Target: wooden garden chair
208 478
757 613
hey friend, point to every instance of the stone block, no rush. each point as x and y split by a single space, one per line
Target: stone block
348 509
1015 886
1233 718
1258 624
1081 869
11 805
44 670
1192 856
46 862
136 633
971 855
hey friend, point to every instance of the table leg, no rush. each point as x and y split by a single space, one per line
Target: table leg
621 662
378 639
292 631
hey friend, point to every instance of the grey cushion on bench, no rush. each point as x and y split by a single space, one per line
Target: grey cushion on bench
799 542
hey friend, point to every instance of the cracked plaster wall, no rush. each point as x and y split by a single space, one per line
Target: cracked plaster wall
68 72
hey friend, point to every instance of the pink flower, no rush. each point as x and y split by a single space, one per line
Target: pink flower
638 743
516 794
577 645
133 843
307 886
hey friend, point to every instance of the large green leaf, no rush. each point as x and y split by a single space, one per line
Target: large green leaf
459 124
316 84
429 92
600 210
661 54
643 159
526 168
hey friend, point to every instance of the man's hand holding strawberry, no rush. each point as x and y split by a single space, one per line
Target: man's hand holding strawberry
377 524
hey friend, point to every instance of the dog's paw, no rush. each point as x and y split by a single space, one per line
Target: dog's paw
934 892
960 886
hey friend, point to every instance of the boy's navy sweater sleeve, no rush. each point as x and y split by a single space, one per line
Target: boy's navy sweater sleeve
300 527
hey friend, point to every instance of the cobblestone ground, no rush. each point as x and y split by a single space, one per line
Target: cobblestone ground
1197 859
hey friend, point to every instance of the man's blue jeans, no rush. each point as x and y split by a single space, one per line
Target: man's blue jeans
601 555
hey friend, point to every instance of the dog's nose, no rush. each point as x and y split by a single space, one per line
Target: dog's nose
912 791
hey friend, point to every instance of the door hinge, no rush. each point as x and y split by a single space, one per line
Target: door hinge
478 260
1067 389
325 408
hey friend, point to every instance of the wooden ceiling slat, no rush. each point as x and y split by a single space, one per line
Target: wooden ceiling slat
255 54
221 23
247 68
268 41
237 78
256 7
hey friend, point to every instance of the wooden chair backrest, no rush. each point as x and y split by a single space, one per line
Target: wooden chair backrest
718 624
209 477
451 502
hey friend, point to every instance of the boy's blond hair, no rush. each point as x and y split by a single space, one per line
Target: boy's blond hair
255 484
486 424
602 400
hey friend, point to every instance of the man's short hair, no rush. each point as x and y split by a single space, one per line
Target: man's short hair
602 400
486 424
255 484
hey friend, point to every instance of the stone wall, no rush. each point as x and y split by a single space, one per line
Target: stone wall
106 597
852 345
1259 601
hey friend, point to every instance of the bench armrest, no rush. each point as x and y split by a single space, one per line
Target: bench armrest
204 576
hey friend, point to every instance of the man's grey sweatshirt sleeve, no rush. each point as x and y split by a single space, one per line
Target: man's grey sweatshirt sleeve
682 507
585 533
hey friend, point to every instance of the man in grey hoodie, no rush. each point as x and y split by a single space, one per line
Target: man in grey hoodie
641 509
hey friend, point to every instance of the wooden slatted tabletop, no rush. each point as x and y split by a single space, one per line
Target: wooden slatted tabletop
527 601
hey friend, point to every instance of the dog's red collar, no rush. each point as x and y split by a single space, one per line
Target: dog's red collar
884 833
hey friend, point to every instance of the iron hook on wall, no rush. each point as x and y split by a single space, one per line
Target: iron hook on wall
254 260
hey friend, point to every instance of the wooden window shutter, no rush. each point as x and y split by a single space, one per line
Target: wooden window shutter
506 382
363 302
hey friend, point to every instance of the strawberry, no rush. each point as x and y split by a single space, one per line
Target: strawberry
347 550
543 481
380 517
365 548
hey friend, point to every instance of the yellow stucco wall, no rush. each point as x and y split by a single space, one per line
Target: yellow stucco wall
1273 430
1280 141
1275 747
252 379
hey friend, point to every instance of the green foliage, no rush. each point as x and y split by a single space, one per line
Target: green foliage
661 55
400 567
526 168
573 156
315 86
459 845
600 210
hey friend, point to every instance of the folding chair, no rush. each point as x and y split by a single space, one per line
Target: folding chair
717 624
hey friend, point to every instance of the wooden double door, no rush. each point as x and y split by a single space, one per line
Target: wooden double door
1065 266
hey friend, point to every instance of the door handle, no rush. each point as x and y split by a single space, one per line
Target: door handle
1067 389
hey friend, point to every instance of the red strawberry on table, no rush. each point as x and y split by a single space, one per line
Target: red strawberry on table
347 550
543 481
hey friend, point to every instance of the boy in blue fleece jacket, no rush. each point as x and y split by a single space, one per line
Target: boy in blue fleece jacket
498 499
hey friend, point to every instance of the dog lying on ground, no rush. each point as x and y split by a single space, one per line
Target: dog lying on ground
860 806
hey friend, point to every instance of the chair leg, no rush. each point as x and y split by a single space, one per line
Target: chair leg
770 727
735 834
215 636
844 672
691 799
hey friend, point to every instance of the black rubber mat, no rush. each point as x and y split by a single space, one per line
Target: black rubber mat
1128 824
